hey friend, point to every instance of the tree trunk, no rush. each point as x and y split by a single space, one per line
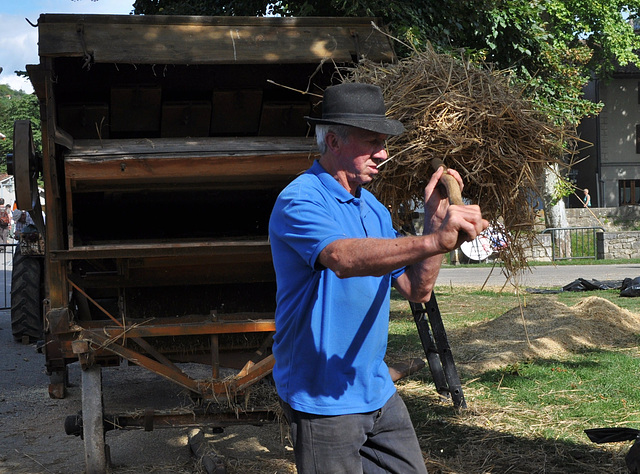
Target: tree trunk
555 215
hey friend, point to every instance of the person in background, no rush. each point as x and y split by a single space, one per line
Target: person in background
21 219
336 257
586 200
5 224
10 214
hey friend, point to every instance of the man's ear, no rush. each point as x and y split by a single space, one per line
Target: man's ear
333 142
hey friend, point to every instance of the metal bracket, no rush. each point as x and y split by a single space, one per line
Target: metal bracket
436 347
88 57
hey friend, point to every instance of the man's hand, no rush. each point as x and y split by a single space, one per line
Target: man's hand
450 225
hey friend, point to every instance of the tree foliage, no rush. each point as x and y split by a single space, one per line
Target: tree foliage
552 46
14 106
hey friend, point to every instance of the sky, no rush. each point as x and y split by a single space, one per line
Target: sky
19 40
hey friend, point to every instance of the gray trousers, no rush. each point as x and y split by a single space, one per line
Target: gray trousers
382 441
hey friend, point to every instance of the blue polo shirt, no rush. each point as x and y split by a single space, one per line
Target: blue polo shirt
331 333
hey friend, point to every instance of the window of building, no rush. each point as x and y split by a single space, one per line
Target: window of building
628 192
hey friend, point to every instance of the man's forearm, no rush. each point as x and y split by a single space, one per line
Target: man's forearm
375 257
418 280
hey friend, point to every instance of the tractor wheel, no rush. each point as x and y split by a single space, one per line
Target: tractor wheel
26 297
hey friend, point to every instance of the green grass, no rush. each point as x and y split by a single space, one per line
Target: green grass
593 387
529 416
583 244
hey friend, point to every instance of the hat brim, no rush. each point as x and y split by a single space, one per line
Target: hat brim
384 125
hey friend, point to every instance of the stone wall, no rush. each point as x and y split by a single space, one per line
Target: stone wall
620 239
609 245
540 251
625 218
622 245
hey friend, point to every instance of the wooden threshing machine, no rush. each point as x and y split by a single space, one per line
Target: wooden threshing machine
165 143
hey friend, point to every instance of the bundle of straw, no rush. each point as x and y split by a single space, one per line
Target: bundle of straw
479 124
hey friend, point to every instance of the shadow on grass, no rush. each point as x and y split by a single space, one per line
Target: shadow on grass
456 442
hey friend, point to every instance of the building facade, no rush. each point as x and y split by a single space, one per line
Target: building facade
610 153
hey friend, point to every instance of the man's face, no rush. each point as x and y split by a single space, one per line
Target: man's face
361 154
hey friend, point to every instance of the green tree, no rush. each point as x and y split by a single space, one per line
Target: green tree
17 106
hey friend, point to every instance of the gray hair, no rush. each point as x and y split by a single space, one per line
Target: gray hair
342 131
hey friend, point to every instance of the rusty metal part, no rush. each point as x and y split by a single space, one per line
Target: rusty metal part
58 320
151 420
188 326
90 340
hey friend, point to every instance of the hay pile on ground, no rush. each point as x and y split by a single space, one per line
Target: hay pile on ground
478 123
544 329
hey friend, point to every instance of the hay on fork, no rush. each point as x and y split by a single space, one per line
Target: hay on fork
478 123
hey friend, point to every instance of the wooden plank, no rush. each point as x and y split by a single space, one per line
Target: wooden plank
204 146
204 20
192 319
196 160
196 169
213 275
210 40
177 327
242 271
243 248
55 281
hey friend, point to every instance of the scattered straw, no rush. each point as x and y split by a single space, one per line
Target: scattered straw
479 124
553 330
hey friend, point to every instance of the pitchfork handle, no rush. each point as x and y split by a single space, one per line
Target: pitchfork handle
449 182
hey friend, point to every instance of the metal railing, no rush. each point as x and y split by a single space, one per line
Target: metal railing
6 261
573 242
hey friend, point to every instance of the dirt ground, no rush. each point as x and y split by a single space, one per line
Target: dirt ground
32 437
33 440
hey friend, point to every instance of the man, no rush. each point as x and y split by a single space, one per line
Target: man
336 256
21 219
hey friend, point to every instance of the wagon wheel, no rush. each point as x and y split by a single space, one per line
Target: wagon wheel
25 166
92 424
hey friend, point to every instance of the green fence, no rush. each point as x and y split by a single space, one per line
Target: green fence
573 242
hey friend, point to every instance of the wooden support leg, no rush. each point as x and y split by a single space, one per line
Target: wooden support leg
92 424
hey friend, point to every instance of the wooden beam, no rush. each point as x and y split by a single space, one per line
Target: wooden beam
161 327
118 162
196 169
210 40
160 249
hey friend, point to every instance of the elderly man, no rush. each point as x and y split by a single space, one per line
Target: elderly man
336 257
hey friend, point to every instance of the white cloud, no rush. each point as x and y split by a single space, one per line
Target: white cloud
18 47
19 40
17 83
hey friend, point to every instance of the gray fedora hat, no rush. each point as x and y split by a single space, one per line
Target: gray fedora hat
357 105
